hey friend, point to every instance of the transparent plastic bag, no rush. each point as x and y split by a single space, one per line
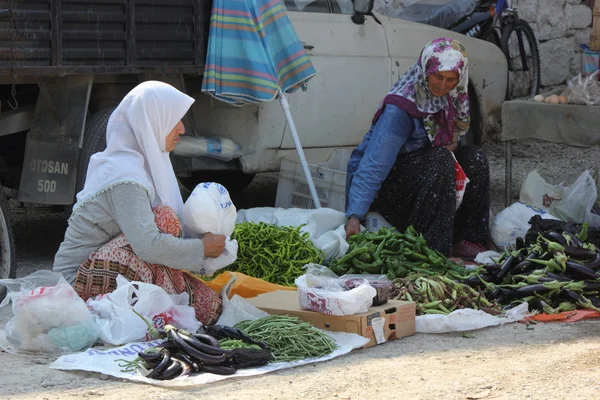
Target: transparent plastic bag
583 90
321 290
48 315
214 147
578 202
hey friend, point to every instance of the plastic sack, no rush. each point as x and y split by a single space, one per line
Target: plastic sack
467 320
513 222
325 226
578 201
210 209
461 182
323 291
119 324
49 316
572 203
244 286
537 192
583 90
214 147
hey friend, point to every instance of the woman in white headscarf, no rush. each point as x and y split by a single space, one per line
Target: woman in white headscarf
126 219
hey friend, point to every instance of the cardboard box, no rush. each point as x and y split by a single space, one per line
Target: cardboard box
399 316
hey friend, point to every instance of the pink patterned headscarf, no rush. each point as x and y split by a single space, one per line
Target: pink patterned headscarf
446 118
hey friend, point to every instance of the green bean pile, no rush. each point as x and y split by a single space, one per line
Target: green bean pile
289 338
271 253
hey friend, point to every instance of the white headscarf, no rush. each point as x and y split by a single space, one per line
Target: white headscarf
135 145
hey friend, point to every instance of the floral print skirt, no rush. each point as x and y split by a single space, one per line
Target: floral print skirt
97 275
420 191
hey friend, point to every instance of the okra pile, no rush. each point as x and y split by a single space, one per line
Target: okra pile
394 254
559 272
272 253
221 350
440 295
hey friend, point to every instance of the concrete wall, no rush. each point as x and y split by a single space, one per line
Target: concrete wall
560 26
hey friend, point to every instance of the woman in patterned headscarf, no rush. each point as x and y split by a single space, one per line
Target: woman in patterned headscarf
405 169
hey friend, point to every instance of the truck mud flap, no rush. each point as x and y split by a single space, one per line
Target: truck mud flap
50 166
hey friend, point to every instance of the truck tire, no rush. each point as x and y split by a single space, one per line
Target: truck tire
8 268
94 141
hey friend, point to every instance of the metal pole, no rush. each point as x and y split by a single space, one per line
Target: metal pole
508 174
288 115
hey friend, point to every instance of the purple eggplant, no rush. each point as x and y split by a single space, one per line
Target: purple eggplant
579 253
555 237
556 277
580 271
506 266
574 239
527 291
594 264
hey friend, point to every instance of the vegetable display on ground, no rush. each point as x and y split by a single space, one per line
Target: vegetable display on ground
394 254
271 253
440 295
289 338
557 273
184 354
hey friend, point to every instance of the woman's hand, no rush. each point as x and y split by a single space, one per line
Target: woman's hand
452 146
213 245
352 227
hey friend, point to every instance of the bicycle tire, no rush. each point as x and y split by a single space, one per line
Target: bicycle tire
507 31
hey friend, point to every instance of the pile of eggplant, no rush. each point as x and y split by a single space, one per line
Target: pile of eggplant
184 354
559 272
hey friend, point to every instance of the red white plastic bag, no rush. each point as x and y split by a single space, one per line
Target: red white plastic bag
322 291
461 182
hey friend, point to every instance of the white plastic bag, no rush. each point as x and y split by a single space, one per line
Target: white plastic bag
467 320
577 202
323 291
537 192
49 316
572 203
119 324
210 209
513 222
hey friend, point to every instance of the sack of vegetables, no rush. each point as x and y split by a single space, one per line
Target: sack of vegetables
321 290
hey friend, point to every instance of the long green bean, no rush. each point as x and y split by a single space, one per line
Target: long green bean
289 338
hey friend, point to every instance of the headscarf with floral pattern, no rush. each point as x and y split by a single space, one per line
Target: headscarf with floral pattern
445 118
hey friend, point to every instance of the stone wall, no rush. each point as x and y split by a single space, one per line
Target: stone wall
560 27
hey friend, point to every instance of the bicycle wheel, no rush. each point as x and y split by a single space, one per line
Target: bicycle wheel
521 50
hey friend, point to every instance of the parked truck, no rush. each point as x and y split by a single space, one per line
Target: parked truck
66 64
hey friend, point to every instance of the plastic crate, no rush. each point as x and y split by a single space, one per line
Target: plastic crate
329 178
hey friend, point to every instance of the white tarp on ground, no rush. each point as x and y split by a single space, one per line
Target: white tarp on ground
104 361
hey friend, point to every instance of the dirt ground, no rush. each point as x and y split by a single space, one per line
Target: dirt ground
551 361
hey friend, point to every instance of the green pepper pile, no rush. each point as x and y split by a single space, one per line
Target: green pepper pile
272 253
394 254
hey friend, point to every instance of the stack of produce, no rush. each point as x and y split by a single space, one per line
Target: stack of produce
289 338
440 295
273 254
557 273
184 354
394 254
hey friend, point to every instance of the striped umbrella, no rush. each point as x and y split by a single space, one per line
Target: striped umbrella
254 55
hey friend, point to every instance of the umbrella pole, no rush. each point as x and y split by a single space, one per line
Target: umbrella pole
288 116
